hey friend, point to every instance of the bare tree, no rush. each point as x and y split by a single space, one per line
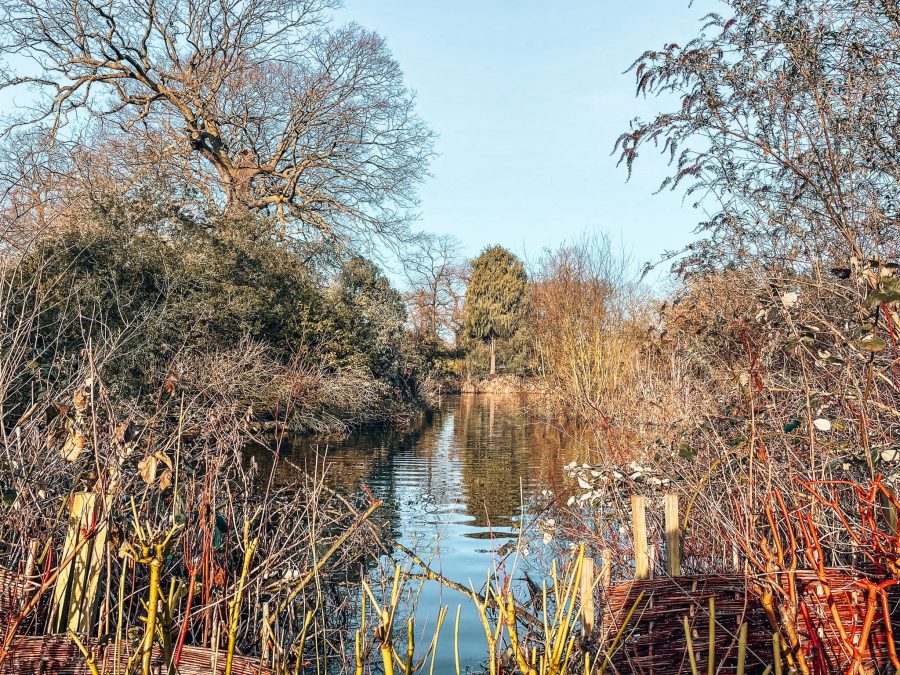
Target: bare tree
263 103
787 119
436 276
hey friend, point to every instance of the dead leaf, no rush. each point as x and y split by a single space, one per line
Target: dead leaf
165 479
73 447
822 424
125 436
790 299
147 468
170 382
219 576
80 400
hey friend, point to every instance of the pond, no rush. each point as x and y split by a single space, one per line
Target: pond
455 491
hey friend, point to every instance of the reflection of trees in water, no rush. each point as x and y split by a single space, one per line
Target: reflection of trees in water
351 464
472 452
501 444
365 460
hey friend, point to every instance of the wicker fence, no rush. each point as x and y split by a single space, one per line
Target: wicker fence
650 625
58 655
655 638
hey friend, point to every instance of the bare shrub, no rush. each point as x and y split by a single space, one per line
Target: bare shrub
173 463
596 348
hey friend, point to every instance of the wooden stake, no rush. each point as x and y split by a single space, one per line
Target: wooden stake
586 590
639 535
673 536
606 568
75 593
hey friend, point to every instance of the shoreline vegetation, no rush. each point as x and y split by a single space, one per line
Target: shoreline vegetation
192 203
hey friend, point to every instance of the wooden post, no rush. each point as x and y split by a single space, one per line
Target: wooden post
639 535
586 590
605 568
605 580
75 592
673 536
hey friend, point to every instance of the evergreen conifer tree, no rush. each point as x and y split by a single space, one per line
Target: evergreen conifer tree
495 298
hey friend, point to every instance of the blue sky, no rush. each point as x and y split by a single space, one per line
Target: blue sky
528 98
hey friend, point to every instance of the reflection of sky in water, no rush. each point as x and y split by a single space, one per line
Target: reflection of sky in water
453 492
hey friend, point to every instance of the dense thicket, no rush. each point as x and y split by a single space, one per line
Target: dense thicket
147 300
787 120
773 363
196 181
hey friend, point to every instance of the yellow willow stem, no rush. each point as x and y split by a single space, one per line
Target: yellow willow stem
689 645
776 653
437 632
88 656
312 574
615 642
234 619
742 649
410 646
488 634
387 656
152 603
362 620
306 621
565 663
560 643
514 637
120 621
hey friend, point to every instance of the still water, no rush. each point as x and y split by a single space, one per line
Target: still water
455 491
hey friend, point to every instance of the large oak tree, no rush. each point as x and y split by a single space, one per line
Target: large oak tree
260 104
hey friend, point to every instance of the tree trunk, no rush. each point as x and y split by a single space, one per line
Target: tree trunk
493 357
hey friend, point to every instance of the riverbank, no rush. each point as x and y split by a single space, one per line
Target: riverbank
493 384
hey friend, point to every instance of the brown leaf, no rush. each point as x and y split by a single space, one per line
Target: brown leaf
73 447
80 400
219 576
161 456
147 468
165 479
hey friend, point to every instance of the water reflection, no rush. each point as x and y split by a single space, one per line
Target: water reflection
454 489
